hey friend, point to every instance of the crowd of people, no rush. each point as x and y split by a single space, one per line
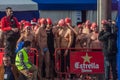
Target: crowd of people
46 36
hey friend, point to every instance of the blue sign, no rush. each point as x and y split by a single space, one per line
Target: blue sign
118 55
70 4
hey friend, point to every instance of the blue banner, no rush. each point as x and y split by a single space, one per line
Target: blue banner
70 4
118 55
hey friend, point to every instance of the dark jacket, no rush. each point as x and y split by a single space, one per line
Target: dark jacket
14 70
105 38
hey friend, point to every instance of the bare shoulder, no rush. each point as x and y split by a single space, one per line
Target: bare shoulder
69 31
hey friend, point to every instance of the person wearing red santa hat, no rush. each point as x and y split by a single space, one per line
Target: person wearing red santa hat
27 35
33 24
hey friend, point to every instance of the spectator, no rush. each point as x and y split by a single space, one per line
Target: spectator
23 64
10 27
105 36
8 71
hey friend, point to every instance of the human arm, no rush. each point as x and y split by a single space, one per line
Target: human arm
15 71
69 41
70 27
21 60
103 35
19 40
39 39
4 24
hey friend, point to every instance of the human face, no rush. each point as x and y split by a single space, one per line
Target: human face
48 26
28 48
28 29
6 61
33 26
9 12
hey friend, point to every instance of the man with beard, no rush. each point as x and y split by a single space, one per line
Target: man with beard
10 27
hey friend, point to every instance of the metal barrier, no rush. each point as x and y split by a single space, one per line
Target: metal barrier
1 55
33 55
78 61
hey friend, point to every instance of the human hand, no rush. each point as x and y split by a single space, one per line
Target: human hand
15 29
27 71
66 52
16 46
68 24
59 52
113 22
30 74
